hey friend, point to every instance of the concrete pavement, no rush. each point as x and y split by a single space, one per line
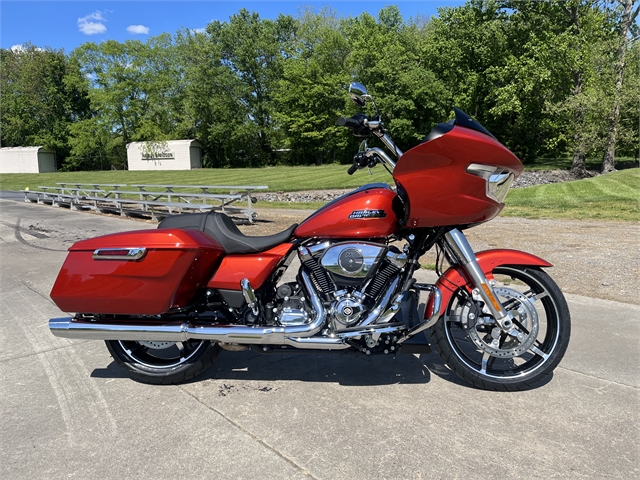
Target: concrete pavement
68 411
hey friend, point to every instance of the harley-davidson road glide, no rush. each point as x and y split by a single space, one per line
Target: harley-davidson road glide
166 301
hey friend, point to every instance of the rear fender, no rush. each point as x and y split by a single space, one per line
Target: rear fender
456 277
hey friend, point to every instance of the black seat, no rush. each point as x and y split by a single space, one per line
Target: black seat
220 227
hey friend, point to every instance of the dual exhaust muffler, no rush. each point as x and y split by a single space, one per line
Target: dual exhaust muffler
298 336
295 335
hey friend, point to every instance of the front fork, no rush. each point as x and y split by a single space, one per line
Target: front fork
461 252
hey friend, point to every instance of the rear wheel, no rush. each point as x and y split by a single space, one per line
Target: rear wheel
163 362
475 348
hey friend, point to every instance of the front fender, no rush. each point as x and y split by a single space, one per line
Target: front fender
455 277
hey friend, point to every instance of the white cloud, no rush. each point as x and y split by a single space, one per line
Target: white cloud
199 30
138 29
88 26
19 48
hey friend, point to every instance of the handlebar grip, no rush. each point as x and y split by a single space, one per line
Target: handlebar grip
352 169
348 122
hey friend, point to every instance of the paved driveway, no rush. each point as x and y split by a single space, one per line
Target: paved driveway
68 411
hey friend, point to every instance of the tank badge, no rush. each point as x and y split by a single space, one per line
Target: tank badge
364 214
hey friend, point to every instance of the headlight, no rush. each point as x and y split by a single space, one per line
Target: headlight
498 180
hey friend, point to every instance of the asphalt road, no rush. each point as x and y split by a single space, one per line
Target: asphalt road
68 411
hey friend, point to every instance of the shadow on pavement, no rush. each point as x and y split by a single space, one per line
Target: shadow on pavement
348 370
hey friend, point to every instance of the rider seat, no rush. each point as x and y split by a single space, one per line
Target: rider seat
220 227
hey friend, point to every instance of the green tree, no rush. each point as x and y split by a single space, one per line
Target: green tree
251 51
136 92
625 22
387 57
495 65
310 96
37 104
558 60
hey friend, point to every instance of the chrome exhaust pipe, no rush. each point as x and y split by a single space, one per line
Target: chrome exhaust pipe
295 335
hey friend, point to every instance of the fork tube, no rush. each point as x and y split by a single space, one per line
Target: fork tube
460 248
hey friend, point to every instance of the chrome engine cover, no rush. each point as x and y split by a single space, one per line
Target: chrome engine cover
350 276
355 260
346 310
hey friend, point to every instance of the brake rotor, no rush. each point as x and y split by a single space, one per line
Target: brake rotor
519 339
156 345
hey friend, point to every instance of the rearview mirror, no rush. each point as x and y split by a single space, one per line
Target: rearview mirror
358 94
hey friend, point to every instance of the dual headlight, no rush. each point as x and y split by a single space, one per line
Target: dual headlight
498 180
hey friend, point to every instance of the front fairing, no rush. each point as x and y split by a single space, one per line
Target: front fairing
438 189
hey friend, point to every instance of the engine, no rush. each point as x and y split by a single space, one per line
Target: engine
348 276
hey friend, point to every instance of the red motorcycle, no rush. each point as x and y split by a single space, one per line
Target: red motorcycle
167 301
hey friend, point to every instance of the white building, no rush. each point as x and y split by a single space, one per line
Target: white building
27 160
169 155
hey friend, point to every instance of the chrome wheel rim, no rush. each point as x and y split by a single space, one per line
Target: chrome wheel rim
161 355
494 354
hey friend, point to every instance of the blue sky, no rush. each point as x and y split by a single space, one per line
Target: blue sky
68 24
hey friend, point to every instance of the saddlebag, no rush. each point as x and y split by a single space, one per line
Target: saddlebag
144 272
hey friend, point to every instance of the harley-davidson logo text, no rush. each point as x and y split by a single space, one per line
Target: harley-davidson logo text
359 214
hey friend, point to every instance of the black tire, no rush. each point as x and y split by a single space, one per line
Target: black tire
163 363
493 360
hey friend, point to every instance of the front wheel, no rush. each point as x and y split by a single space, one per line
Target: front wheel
472 344
163 363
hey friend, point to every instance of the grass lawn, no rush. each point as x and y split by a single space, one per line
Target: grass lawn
615 196
565 163
608 197
287 179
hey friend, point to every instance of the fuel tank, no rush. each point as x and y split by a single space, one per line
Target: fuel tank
371 211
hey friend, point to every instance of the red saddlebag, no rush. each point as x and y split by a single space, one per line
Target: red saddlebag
144 272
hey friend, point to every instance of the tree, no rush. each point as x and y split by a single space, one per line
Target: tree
135 89
387 57
624 26
310 95
37 104
564 42
210 106
250 53
491 62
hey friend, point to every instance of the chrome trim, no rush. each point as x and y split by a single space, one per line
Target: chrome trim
386 139
318 322
239 334
133 254
371 330
249 295
481 170
358 93
377 127
391 311
435 315
306 253
383 155
498 179
370 253
381 305
459 246
322 343
398 259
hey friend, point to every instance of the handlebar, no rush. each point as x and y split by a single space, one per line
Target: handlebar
357 124
349 122
361 126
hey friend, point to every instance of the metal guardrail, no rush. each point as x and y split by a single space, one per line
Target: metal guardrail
109 198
